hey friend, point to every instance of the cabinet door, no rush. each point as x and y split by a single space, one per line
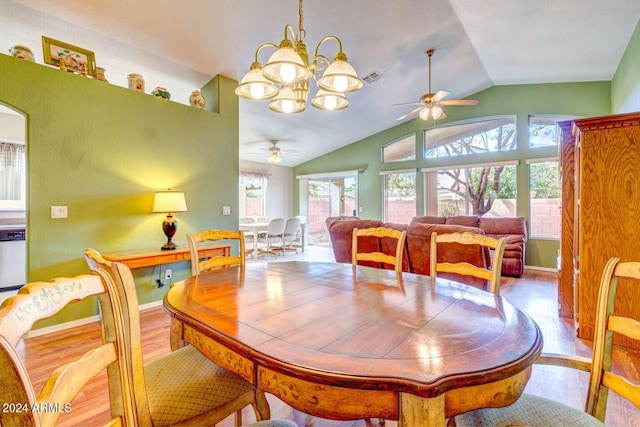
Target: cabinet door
609 209
566 152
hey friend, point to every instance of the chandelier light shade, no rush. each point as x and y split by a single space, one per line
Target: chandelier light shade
329 101
285 66
286 102
169 202
287 73
340 76
255 86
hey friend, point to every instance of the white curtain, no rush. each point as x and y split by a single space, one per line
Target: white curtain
252 180
12 159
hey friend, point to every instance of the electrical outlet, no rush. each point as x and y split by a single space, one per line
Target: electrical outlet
58 211
167 274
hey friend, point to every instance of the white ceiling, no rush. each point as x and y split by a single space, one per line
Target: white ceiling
181 45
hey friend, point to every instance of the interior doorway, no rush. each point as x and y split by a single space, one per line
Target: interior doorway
327 195
13 268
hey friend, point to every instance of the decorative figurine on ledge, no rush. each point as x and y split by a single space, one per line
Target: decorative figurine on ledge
161 93
136 82
197 99
22 52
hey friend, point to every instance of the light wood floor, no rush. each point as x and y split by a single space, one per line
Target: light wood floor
535 294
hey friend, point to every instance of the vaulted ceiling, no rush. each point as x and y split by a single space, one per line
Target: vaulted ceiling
181 45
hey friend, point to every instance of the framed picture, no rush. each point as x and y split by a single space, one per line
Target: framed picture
72 58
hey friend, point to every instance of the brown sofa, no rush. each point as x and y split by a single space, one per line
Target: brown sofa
513 229
416 251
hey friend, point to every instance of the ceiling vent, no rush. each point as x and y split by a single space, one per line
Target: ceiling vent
373 76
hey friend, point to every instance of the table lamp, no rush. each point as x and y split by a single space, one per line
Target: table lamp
169 202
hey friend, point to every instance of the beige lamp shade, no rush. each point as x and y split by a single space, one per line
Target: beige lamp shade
169 202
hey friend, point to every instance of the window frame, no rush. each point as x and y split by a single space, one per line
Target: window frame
397 141
387 173
530 162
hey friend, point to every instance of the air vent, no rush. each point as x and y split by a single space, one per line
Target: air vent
373 76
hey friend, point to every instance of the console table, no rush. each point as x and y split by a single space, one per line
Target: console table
137 258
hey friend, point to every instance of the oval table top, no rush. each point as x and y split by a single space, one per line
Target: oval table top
371 330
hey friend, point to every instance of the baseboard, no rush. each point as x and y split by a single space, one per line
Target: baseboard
535 267
62 326
80 322
149 305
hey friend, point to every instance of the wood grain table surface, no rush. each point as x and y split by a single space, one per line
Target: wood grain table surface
343 345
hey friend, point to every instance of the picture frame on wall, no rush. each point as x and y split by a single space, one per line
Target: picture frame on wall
68 56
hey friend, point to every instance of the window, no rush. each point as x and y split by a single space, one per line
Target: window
326 195
399 196
400 150
12 176
543 130
488 190
545 199
253 187
473 137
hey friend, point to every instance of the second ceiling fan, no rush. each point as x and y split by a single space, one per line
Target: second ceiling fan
430 104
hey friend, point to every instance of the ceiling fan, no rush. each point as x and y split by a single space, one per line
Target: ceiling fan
430 104
276 153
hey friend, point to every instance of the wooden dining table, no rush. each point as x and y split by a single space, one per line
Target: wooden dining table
348 344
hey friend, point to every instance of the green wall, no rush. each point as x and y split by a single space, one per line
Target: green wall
625 86
570 99
102 151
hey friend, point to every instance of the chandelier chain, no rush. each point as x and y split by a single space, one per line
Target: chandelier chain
301 32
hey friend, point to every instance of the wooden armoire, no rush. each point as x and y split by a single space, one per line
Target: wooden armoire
600 167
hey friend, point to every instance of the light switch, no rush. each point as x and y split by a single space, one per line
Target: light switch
58 211
226 210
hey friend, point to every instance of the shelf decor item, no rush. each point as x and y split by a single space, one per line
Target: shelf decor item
22 52
197 99
136 82
68 57
100 75
161 92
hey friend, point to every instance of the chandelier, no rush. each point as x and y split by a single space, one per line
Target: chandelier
285 77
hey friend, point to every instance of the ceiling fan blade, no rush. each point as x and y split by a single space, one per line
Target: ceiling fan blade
410 113
442 116
408 103
460 102
438 96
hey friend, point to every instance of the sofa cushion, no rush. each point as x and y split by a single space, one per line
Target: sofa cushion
465 220
499 227
333 219
341 233
429 219
418 248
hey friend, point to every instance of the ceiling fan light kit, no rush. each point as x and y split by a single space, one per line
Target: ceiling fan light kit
430 104
289 67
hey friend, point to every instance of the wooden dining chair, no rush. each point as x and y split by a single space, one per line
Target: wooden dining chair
199 265
183 387
378 256
491 273
22 404
532 410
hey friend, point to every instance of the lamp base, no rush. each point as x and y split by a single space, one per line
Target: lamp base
169 226
169 246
